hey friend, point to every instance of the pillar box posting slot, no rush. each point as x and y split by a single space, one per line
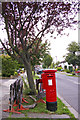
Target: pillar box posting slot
49 84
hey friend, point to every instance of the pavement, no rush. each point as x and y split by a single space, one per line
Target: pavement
4 105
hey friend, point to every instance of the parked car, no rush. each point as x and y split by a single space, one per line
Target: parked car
39 71
78 71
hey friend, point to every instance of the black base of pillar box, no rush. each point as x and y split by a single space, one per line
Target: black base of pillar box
51 106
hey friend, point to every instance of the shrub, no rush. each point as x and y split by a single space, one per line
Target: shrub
15 73
73 73
68 71
76 69
9 66
59 68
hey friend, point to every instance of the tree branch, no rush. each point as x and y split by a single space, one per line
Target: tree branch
42 31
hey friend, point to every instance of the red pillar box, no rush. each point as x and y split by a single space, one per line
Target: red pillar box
49 83
43 80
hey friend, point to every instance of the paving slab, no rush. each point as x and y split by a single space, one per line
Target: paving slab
5 105
43 115
14 115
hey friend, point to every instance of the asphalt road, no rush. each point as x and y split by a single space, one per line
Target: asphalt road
68 88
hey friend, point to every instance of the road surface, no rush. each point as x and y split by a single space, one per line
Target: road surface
67 87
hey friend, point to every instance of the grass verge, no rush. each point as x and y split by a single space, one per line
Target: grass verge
41 108
74 75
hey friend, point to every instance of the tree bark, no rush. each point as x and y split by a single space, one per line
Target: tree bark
30 77
34 70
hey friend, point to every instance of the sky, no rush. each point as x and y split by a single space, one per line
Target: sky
59 45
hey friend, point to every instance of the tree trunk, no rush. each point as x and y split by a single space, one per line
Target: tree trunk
30 77
34 70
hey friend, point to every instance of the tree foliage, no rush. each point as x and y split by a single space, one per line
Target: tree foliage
73 47
26 24
47 61
36 59
72 57
57 63
78 61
